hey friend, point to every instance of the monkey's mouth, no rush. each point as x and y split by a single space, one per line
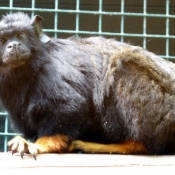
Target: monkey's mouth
15 55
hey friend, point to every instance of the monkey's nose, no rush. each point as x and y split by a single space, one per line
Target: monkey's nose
13 45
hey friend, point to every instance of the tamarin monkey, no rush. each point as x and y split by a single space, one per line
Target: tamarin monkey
90 94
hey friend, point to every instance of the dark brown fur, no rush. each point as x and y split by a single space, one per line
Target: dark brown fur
93 94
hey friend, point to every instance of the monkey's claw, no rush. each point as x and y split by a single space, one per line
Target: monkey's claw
22 154
21 146
34 156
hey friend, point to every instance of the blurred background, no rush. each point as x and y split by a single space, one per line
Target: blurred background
147 23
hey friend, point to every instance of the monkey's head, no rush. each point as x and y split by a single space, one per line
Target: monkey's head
19 35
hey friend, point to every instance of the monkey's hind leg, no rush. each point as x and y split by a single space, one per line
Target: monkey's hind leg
127 147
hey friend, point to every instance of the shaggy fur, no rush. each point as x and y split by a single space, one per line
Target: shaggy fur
92 89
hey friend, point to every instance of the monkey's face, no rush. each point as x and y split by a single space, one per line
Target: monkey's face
14 47
20 37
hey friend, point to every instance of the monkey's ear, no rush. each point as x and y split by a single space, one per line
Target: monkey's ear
36 22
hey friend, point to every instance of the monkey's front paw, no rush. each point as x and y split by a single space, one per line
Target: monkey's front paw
20 145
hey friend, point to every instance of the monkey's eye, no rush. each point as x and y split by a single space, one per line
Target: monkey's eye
21 36
2 41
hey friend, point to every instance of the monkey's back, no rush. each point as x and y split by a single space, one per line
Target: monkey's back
135 96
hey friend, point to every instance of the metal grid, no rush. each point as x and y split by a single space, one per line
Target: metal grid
168 15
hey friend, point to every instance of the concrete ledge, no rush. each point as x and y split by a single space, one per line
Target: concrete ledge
87 163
